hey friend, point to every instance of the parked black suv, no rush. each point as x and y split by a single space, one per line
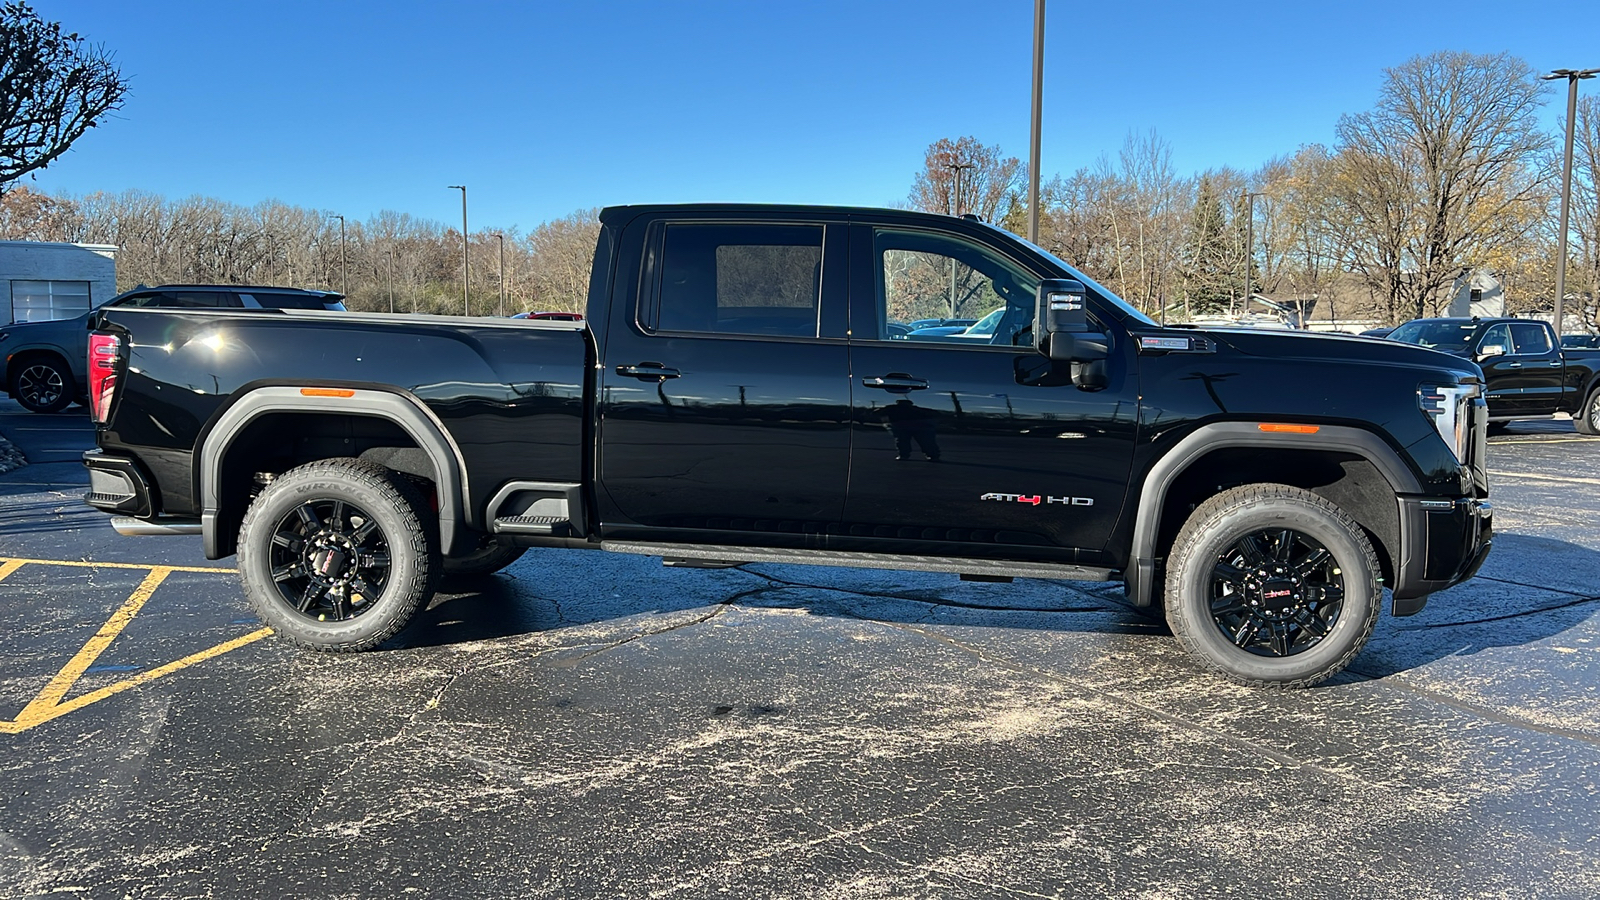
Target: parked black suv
44 363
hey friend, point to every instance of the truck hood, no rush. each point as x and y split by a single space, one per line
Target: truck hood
1314 346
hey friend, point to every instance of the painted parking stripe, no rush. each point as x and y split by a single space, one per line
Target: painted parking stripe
1569 479
51 702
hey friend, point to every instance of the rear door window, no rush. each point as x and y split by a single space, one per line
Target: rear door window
1530 339
739 279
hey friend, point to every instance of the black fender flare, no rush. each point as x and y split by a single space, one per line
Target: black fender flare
1141 571
402 409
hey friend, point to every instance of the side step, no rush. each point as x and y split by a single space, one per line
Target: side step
680 554
551 525
129 526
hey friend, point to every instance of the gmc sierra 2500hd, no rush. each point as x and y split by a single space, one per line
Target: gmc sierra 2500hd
741 389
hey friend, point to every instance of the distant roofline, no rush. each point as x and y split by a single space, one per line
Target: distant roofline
59 244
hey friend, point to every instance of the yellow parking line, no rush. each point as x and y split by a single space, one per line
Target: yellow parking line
90 564
49 703
1566 478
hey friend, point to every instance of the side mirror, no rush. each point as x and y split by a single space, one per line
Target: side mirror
1059 310
1488 350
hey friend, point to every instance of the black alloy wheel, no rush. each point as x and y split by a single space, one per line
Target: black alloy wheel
1587 421
1272 586
42 386
338 554
1276 592
330 560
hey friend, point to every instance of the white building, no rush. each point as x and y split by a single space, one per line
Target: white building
41 281
1478 293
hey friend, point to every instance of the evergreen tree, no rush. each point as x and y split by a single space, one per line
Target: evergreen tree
1210 270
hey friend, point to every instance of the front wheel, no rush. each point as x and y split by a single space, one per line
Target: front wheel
1587 421
1273 586
334 555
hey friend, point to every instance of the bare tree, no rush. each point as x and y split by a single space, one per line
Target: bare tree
1440 173
53 88
989 181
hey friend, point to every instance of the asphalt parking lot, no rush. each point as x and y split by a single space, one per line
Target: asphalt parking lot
591 725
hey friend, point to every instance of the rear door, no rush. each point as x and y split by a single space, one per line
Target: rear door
724 391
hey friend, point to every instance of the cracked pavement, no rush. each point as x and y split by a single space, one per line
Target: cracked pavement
597 725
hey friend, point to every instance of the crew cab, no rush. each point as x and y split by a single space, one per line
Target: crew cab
740 391
1529 375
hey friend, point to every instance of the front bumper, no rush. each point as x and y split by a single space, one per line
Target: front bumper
1443 543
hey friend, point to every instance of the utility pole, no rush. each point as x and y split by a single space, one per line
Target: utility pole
389 255
502 239
1038 91
957 168
344 267
466 304
1573 76
1249 243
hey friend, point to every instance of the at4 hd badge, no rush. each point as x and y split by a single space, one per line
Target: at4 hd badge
1037 499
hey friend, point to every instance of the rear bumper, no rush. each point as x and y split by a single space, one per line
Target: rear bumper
1444 542
116 485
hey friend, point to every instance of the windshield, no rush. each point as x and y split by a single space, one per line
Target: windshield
985 326
1094 286
1435 333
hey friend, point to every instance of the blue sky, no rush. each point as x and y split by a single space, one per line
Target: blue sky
541 108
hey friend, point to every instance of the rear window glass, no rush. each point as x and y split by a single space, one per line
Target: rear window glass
741 279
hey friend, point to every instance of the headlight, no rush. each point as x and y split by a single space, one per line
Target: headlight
1449 407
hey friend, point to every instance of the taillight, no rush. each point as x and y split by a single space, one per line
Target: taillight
103 349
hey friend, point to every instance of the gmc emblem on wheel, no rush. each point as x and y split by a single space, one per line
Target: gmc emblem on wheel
1036 499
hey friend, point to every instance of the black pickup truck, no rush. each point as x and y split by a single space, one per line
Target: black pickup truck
742 389
1527 374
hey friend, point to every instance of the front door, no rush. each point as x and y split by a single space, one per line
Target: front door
969 437
724 392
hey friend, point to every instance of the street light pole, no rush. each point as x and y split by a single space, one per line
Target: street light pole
1573 76
389 255
1249 243
502 239
1038 91
466 304
344 266
955 204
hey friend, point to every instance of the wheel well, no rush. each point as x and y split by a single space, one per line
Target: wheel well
22 357
274 443
1348 480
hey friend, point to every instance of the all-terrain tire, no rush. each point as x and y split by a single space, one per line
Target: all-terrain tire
1207 588
1587 421
490 555
406 536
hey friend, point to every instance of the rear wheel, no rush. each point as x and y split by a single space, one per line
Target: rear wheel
42 384
1273 586
334 555
1587 420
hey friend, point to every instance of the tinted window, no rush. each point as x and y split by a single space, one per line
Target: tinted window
184 300
288 300
1529 338
1497 335
741 279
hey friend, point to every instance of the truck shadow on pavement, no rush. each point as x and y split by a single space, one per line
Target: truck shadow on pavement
1495 610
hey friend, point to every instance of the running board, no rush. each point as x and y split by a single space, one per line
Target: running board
987 567
130 527
551 525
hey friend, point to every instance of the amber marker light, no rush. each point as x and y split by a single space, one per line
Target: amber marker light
1284 428
326 392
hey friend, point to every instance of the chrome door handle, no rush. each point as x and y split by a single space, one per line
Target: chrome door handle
1556 364
1513 365
649 370
895 382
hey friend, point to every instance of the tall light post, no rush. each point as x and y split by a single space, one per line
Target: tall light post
955 204
1573 76
1249 243
1038 92
344 267
502 238
389 256
466 304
